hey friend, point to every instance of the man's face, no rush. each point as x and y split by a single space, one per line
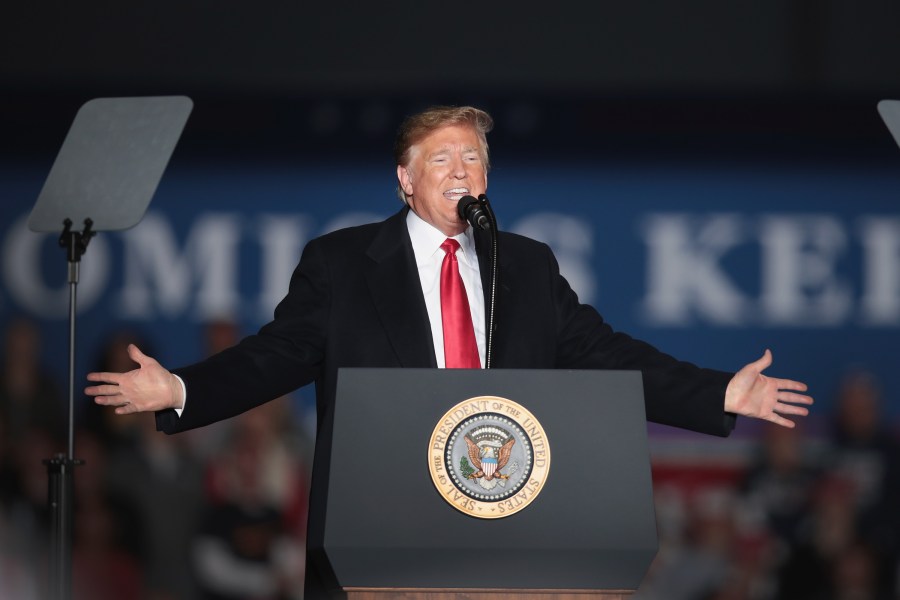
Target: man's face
444 167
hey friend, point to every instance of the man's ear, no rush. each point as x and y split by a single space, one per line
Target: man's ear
405 179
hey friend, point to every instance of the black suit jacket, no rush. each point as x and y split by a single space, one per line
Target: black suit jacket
355 300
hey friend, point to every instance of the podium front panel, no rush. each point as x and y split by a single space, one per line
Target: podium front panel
385 524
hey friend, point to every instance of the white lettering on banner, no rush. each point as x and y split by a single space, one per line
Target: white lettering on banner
24 278
572 241
808 265
799 283
684 274
281 238
209 257
881 270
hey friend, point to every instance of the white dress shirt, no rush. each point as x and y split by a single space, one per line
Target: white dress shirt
426 243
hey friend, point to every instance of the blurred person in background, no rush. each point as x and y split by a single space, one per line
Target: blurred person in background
18 576
163 482
252 542
699 562
268 441
33 418
827 531
866 453
30 398
107 532
158 479
777 490
855 576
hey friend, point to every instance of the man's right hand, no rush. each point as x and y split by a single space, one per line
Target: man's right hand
147 388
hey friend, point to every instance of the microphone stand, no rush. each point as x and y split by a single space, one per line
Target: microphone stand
492 219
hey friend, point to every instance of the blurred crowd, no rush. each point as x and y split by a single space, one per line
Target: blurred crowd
213 514
220 513
807 517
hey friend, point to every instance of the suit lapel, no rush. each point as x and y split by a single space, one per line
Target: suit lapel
393 281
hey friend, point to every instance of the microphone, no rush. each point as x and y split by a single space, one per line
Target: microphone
472 210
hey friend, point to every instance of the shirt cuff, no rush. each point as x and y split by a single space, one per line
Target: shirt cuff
178 411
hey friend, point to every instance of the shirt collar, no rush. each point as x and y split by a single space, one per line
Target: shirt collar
427 239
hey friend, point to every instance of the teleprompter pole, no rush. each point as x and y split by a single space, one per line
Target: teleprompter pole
61 468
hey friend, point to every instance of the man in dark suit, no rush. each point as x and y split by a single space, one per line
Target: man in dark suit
369 297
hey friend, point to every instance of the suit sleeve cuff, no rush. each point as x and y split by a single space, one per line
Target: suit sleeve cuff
730 422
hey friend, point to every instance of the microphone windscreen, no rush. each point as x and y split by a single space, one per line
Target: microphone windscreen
463 205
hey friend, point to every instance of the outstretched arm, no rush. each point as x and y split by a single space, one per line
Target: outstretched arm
150 387
752 394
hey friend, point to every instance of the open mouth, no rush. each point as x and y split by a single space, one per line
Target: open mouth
456 193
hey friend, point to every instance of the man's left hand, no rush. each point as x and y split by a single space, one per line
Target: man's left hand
752 394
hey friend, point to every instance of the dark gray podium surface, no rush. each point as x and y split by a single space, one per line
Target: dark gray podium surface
385 524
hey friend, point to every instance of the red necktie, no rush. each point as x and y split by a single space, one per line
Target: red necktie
460 349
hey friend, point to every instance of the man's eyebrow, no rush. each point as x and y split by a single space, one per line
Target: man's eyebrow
439 151
449 149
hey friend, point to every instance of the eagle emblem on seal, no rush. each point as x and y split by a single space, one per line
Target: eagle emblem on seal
489 458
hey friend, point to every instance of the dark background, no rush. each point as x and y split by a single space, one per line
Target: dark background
277 76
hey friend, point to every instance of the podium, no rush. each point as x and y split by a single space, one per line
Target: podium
405 497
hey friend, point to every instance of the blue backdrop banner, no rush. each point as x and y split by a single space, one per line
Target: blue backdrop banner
712 261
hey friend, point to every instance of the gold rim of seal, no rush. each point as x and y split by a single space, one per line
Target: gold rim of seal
540 457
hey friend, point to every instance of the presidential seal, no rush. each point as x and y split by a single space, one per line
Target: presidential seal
489 457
